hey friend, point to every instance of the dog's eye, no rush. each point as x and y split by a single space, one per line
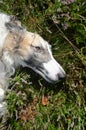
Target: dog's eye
38 47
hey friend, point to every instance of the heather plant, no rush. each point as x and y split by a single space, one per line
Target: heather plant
32 103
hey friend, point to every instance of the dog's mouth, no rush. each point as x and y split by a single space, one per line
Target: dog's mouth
44 74
50 71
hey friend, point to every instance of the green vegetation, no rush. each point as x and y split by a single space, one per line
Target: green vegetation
32 103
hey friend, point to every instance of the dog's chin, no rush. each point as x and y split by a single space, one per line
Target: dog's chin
48 79
43 74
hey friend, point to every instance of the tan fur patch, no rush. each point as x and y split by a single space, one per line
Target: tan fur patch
12 41
29 40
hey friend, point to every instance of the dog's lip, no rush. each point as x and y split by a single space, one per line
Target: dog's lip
43 74
50 80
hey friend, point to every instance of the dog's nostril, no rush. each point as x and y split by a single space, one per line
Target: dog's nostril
61 76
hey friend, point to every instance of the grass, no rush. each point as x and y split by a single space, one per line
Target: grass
34 104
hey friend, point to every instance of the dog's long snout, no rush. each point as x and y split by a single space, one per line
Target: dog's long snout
54 71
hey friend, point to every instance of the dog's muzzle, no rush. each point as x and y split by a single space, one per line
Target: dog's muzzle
51 71
54 71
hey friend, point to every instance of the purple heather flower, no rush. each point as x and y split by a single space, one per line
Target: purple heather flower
66 2
65 26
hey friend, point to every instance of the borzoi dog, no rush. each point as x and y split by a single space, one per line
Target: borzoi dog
20 47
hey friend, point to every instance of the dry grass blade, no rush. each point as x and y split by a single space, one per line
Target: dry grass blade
80 56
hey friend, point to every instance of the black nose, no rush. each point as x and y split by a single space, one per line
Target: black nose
62 76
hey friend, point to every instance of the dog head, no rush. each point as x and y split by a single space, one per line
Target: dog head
31 50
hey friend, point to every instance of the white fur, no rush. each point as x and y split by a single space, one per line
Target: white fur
1 94
3 109
7 58
3 31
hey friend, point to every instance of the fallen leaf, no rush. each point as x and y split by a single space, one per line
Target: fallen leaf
24 117
44 100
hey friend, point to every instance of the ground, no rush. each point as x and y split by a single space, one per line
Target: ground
34 104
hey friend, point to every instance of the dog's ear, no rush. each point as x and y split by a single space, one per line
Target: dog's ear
15 35
14 27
